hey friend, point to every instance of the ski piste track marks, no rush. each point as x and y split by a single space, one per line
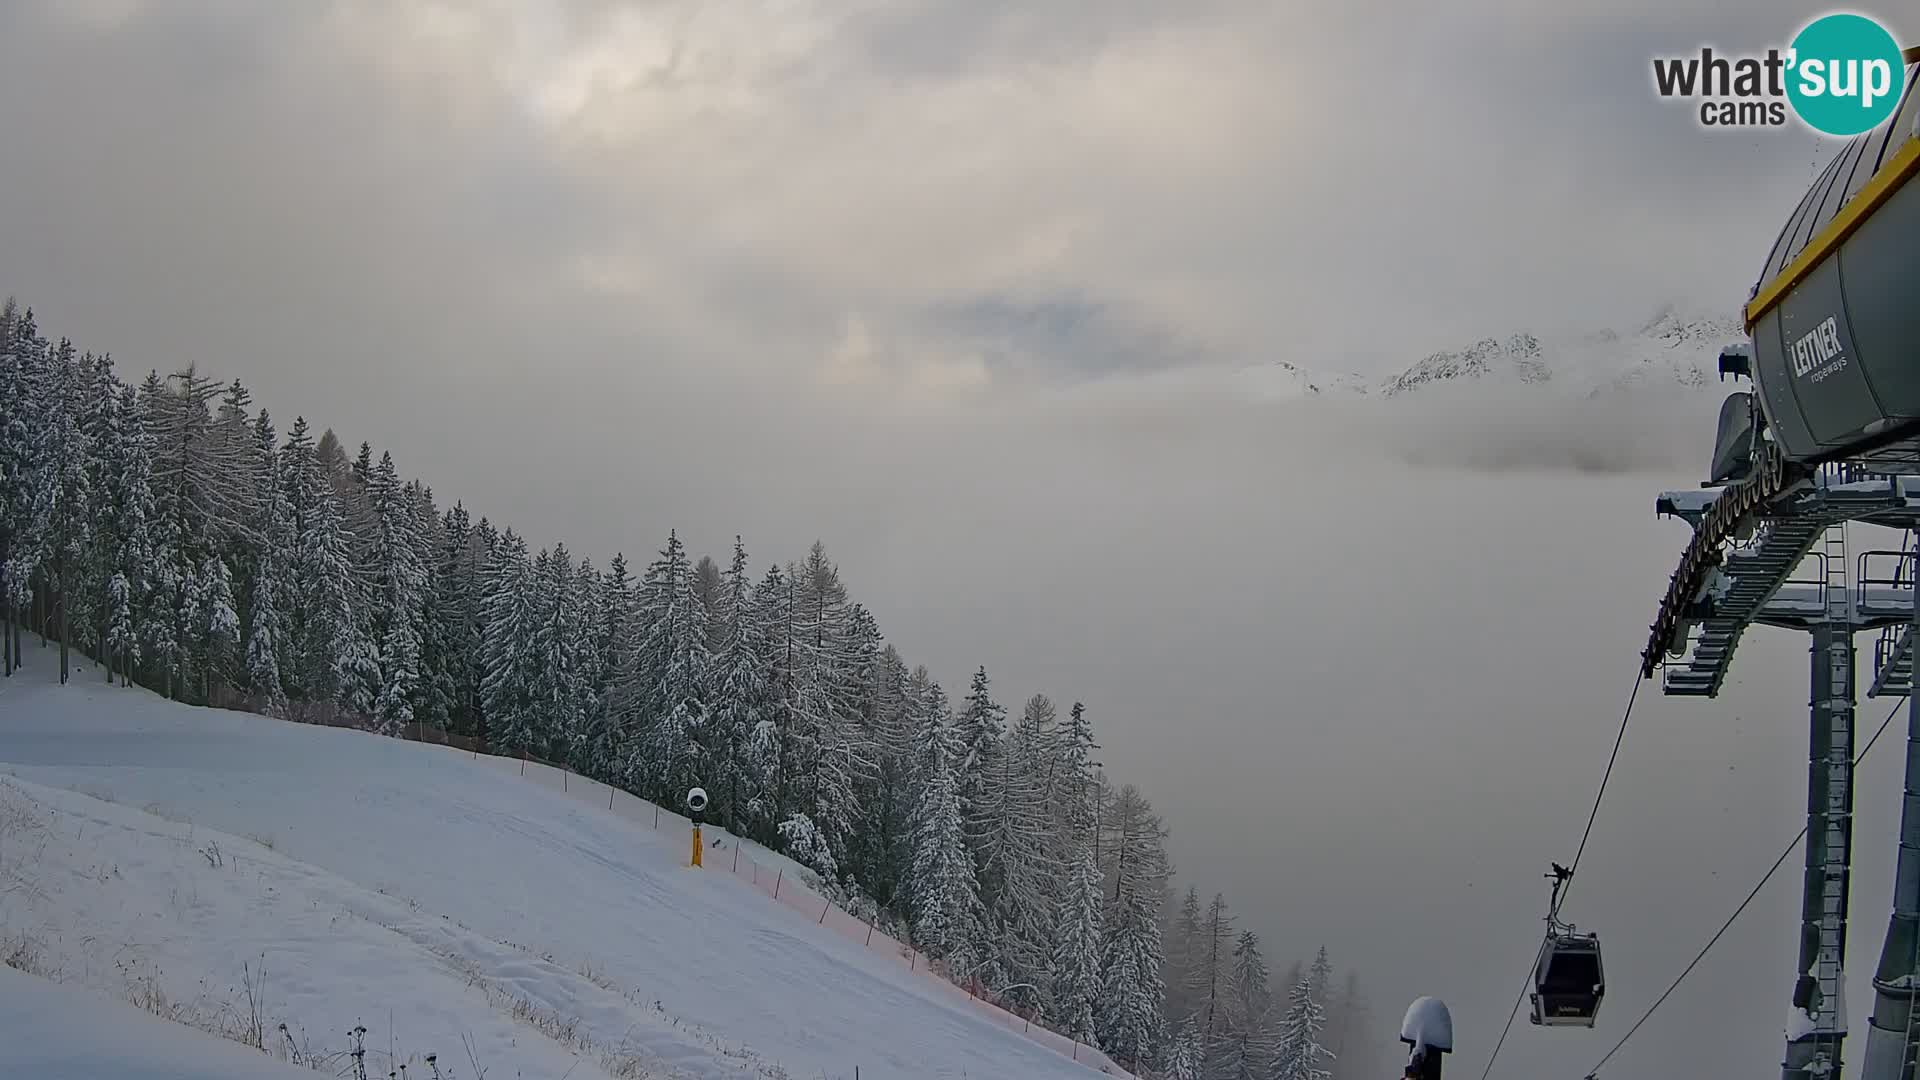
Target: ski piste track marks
505 857
781 880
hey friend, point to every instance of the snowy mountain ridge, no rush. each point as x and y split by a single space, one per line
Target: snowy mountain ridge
1675 347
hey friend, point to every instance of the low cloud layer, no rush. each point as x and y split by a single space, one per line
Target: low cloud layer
1661 431
961 288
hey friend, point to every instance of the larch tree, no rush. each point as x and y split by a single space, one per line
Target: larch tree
1215 947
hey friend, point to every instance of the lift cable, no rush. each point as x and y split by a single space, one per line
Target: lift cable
1768 876
1560 892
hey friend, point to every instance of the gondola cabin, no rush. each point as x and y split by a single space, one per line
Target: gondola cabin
1569 983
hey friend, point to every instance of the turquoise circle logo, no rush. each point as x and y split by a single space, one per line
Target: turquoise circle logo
1846 74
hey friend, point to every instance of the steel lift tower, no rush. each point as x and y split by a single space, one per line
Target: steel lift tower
1760 583
1830 433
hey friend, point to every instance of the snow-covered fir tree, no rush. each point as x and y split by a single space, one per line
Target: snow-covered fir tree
947 913
1300 1053
398 593
739 690
1130 1022
507 655
662 706
168 530
273 520
1186 1058
1242 1047
1073 970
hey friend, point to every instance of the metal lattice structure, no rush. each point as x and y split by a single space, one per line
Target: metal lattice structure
1761 579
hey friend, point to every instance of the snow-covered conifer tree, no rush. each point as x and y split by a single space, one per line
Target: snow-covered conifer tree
1073 971
1186 1058
1243 1046
65 453
1019 854
218 624
506 646
768 757
268 593
1129 1019
947 914
669 671
1211 959
739 689
821 745
397 598
1299 1054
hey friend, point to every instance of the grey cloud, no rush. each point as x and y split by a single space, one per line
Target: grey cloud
762 295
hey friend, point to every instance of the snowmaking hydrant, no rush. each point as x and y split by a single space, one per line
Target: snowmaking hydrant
696 802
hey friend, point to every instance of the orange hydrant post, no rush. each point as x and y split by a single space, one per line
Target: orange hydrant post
696 844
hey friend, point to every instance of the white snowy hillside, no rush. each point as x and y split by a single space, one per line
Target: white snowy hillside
1285 381
233 873
1674 348
50 1031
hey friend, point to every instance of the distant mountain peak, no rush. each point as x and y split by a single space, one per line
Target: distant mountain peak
1676 346
1517 359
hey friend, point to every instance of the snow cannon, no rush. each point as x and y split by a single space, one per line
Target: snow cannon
1428 1032
696 802
1835 356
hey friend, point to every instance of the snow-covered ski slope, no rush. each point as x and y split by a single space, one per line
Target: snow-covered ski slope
380 879
53 1032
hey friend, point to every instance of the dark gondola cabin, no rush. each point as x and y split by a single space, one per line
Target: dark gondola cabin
1568 985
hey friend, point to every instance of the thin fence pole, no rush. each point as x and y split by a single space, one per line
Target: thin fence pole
736 854
869 933
656 815
824 908
776 882
609 796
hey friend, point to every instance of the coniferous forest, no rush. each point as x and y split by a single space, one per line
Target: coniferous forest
162 531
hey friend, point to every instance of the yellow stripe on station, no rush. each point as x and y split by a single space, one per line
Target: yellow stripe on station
1890 179
1885 184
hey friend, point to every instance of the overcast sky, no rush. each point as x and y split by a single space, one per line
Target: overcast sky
910 278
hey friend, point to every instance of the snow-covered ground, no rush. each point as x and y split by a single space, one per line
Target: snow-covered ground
154 850
53 1032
